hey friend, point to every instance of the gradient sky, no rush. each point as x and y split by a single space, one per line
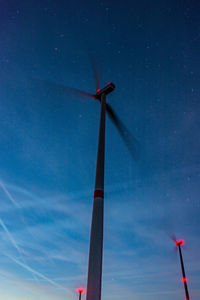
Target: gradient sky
48 141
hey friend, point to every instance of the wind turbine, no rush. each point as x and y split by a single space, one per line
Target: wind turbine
96 236
184 278
93 291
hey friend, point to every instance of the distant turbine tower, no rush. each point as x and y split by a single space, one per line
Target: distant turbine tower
93 291
184 278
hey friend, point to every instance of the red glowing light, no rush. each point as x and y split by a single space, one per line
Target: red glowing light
80 290
181 242
98 90
109 82
184 279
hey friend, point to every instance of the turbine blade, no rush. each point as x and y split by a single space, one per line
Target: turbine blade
172 237
130 141
95 70
62 88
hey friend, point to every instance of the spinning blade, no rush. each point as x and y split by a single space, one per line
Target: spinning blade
61 88
130 141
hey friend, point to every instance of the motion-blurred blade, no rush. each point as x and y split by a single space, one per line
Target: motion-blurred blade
96 72
62 88
130 141
172 236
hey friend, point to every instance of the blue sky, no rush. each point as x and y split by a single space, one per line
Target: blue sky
48 142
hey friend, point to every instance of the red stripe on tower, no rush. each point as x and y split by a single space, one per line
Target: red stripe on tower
98 194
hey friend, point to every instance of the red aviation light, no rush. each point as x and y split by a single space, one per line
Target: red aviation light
80 290
181 242
98 90
184 279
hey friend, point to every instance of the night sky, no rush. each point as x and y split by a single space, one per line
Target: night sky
48 143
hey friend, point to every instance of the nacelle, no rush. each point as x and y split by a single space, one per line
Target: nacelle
106 90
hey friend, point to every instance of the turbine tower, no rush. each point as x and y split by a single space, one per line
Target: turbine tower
184 278
96 237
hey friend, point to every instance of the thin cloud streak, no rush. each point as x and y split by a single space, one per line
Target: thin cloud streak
36 272
14 243
9 195
12 240
21 286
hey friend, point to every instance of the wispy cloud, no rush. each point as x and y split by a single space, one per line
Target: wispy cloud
11 238
21 287
10 197
36 272
55 239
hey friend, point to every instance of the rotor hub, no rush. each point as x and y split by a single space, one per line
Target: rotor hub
106 90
